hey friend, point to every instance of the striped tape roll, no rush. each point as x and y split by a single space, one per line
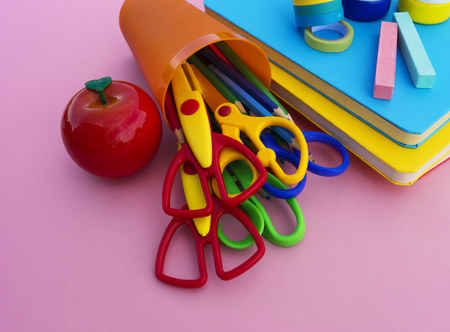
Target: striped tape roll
318 9
322 19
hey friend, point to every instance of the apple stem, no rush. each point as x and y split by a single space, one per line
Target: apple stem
99 86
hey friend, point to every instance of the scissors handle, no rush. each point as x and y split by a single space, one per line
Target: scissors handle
171 229
271 234
229 118
252 210
219 143
211 238
276 191
185 156
312 136
222 144
269 231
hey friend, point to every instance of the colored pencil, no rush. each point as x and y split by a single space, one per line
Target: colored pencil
248 74
222 56
253 105
237 77
227 94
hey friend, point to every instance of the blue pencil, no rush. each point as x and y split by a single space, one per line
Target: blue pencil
252 104
237 77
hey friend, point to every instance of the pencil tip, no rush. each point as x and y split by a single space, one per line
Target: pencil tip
295 143
240 107
279 112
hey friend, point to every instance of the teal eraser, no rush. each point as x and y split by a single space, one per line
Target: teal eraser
416 58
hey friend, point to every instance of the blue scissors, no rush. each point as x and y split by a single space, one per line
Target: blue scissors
293 157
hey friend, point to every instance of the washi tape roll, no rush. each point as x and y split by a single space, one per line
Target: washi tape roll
365 11
322 19
425 13
321 8
326 45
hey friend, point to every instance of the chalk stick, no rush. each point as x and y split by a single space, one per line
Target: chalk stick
416 58
386 59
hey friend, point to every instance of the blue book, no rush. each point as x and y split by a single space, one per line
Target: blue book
412 115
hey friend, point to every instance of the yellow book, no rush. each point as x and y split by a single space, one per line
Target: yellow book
398 164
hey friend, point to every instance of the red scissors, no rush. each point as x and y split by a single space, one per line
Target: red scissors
206 151
219 209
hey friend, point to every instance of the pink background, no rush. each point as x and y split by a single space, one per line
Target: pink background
77 252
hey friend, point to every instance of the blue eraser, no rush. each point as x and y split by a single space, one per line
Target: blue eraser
416 58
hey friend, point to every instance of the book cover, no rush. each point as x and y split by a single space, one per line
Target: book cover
398 164
412 115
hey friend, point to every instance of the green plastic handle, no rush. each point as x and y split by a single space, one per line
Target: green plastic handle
270 232
253 212
243 174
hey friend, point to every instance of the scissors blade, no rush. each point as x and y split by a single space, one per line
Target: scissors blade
195 197
193 115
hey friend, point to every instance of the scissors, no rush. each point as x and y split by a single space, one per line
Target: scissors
211 238
232 122
293 157
205 157
238 173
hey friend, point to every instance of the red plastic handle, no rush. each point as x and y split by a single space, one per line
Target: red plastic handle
185 155
221 142
200 242
219 210
162 251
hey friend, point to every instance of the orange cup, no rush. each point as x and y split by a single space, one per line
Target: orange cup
162 34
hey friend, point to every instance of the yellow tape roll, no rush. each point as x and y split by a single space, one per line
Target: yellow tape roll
425 13
330 46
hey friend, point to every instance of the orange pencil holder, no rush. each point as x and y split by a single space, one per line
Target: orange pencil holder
162 34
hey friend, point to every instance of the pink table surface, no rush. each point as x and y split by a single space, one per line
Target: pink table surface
77 252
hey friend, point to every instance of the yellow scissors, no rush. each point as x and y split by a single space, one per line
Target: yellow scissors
233 123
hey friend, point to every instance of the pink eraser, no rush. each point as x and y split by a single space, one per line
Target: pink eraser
387 55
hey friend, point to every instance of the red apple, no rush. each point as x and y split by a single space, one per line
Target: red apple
111 129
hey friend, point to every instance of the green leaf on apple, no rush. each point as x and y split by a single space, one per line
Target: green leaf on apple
99 86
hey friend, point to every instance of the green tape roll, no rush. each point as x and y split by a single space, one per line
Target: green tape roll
326 45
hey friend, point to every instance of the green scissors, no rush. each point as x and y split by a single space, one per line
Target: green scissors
242 176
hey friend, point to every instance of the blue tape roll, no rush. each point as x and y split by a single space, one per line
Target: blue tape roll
365 11
323 19
318 9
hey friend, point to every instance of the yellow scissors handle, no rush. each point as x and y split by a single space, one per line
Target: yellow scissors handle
227 156
232 122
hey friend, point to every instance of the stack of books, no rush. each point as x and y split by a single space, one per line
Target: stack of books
402 138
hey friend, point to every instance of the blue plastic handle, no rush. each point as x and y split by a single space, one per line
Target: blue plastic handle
270 142
312 136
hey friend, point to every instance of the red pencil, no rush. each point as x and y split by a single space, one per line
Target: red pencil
219 53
